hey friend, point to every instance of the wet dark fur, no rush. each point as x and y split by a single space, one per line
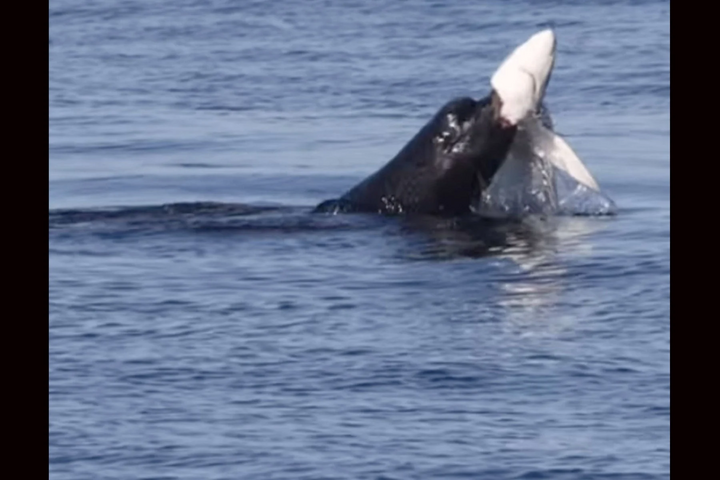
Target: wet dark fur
447 164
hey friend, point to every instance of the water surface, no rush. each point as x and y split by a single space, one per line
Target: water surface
204 325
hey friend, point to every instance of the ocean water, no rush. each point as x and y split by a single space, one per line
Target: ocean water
204 325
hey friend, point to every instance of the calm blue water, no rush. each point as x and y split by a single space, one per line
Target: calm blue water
242 338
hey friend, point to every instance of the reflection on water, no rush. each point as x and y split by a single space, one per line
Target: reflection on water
529 300
471 237
535 256
528 241
532 250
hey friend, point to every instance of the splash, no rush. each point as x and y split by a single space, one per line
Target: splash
542 176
